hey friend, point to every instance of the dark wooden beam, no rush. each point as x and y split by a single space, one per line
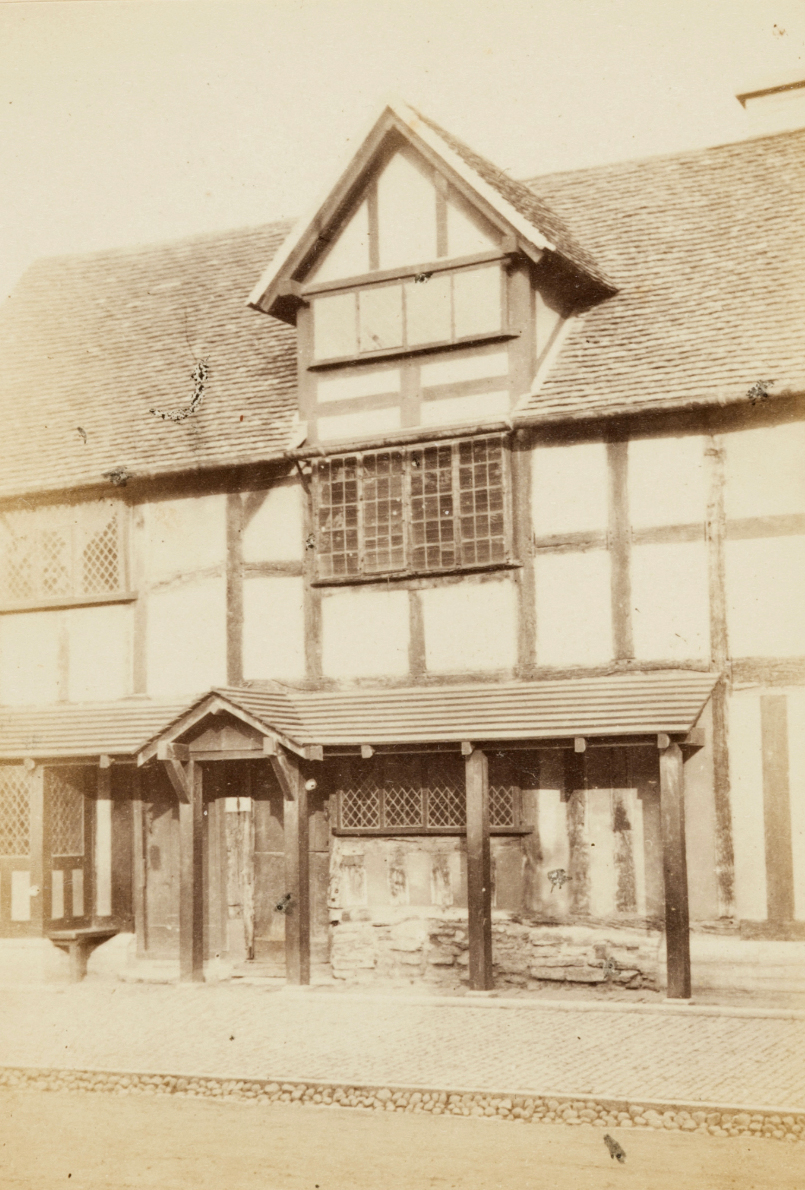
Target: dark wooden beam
777 807
139 867
234 589
297 866
40 864
620 550
479 872
175 759
675 871
191 883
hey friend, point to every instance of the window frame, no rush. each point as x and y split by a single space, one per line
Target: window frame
409 569
379 764
78 528
397 278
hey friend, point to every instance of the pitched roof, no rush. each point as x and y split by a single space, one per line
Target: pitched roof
708 252
97 341
618 705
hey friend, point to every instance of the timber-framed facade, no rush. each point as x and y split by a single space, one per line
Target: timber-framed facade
453 635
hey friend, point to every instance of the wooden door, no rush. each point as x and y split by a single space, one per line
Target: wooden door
18 904
69 803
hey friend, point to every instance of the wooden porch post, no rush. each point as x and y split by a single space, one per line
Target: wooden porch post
191 903
296 824
40 863
479 872
675 870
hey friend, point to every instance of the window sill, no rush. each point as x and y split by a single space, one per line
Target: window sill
59 601
339 361
421 831
396 576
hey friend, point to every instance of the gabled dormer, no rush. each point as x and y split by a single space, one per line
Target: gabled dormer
425 288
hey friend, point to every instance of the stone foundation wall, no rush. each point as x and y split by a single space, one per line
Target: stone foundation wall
434 949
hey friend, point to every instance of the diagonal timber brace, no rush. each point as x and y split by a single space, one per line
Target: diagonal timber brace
176 761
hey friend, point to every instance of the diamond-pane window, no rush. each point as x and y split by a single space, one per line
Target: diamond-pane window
64 793
411 510
415 795
61 552
15 810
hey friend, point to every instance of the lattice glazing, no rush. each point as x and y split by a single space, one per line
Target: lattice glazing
382 503
15 810
501 805
447 805
480 481
100 560
360 803
65 801
403 806
55 562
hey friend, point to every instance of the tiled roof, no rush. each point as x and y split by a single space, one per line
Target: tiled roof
97 341
629 704
528 202
707 250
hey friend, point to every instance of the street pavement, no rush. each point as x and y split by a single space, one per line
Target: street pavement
682 1054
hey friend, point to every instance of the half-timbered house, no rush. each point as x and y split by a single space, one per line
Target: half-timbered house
427 609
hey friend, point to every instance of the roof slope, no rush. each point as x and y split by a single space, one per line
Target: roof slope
622 704
97 341
708 252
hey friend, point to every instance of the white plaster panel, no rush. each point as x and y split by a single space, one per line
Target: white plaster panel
186 650
185 536
746 797
356 425
765 471
470 626
29 658
601 840
20 896
465 233
406 213
474 407
796 778
765 586
273 627
99 652
360 384
569 488
456 368
365 633
670 601
553 839
667 481
103 857
274 533
574 608
349 253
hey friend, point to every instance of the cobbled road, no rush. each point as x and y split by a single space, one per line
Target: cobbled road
254 1032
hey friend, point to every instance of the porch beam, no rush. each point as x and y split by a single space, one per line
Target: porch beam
675 871
191 903
479 871
175 760
297 866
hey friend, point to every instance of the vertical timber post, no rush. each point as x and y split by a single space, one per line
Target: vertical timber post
40 862
675 871
479 872
191 883
297 875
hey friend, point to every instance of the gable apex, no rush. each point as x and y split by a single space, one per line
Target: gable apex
478 186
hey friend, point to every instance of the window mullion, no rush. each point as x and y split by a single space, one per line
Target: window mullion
454 482
361 542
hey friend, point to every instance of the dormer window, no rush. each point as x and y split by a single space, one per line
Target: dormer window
425 309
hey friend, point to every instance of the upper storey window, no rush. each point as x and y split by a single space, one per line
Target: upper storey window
431 308
61 555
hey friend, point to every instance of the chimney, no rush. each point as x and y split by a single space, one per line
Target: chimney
777 107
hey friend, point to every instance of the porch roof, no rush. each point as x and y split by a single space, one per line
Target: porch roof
613 705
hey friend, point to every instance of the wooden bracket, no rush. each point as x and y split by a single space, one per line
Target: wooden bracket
466 748
29 764
314 752
174 757
579 744
367 751
286 773
695 738
269 745
663 741
104 762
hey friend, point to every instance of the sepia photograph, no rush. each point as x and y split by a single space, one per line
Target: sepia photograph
402 594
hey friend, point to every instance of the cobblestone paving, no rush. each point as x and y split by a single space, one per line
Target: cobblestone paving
249 1032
